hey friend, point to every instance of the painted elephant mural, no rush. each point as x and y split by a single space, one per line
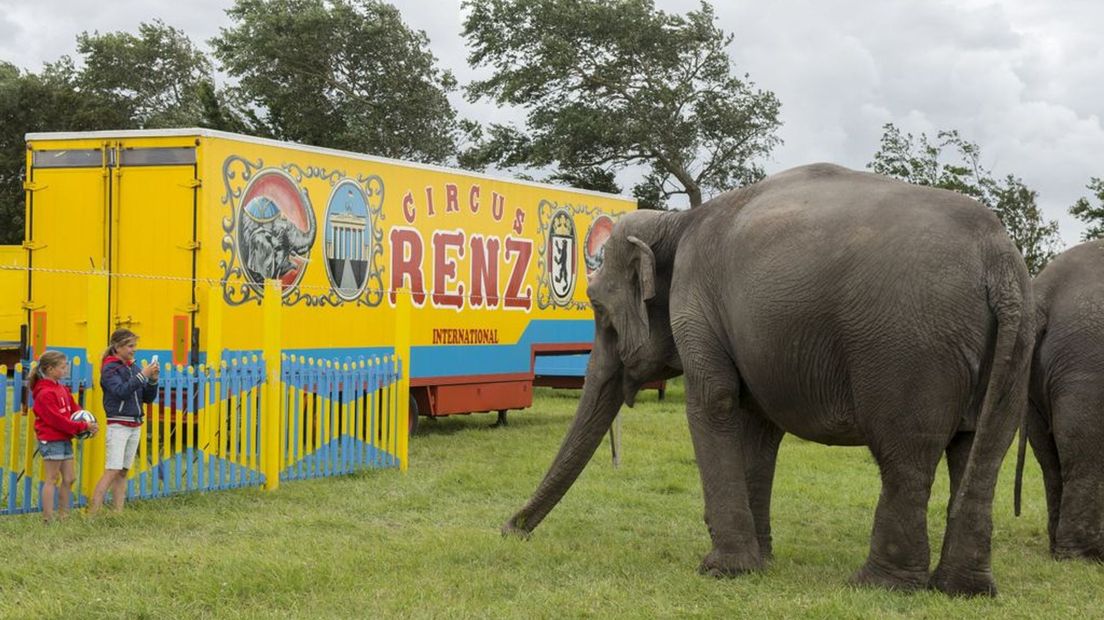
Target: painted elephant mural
840 306
1065 421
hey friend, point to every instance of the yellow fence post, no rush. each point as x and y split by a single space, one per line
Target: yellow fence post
213 346
95 450
271 416
214 326
402 353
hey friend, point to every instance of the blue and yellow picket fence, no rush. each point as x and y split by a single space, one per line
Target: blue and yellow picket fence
225 427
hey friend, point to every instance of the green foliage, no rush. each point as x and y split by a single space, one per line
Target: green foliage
156 78
345 74
623 543
32 103
918 160
595 178
613 83
1092 216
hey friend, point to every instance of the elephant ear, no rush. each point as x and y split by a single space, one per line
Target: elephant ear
635 332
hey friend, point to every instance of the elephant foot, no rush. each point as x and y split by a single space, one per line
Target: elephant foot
959 582
873 575
718 564
1092 553
511 529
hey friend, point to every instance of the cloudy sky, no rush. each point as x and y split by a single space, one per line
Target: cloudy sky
1020 78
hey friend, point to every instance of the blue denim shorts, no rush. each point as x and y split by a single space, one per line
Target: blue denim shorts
56 450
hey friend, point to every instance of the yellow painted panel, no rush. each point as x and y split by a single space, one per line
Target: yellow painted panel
13 291
67 233
152 251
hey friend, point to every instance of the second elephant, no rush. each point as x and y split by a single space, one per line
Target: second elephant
1065 421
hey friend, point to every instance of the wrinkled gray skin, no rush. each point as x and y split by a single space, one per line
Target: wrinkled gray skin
1065 421
842 307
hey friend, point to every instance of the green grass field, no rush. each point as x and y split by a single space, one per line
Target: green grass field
623 543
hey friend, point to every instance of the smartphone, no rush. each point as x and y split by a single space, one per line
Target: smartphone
153 360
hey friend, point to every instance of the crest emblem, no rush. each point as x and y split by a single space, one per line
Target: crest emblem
275 231
562 261
348 236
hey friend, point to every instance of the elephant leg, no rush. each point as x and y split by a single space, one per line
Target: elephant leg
1081 513
958 453
760 439
900 555
965 561
715 424
1046 453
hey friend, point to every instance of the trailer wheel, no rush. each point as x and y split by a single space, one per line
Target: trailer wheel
412 423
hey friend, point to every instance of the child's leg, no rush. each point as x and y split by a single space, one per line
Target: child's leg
119 489
53 468
68 475
98 493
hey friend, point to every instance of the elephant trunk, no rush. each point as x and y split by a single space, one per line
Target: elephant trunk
598 406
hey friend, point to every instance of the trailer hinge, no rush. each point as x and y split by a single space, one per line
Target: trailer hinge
33 245
192 184
191 245
31 186
188 308
31 305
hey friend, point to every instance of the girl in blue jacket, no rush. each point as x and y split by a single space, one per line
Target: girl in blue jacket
125 388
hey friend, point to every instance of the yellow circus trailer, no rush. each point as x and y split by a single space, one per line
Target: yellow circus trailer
189 223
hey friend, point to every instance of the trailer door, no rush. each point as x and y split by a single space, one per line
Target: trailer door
154 247
67 195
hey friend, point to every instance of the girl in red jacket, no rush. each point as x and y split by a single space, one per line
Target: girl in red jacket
53 405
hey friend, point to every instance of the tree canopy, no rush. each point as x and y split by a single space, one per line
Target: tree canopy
920 161
346 74
607 84
1090 215
157 78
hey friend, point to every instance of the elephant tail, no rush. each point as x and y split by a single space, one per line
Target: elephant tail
1021 455
1003 407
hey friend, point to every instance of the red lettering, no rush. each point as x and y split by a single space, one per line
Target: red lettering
523 248
498 206
473 199
406 260
444 269
519 220
484 270
429 199
408 207
452 198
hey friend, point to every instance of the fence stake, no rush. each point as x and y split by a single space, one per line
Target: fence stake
402 353
270 411
95 449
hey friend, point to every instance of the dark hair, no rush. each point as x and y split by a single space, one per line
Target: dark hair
119 337
46 361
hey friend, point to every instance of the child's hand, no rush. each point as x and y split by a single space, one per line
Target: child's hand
152 371
93 428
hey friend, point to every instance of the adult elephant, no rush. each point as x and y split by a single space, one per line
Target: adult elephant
1065 421
840 306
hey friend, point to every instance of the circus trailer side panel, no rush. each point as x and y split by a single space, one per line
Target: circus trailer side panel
495 269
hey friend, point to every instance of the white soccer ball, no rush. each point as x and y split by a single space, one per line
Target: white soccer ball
83 416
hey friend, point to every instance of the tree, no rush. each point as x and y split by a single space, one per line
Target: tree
919 161
615 83
1092 216
346 74
156 79
49 101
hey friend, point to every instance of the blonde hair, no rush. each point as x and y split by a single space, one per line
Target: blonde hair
46 361
118 338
